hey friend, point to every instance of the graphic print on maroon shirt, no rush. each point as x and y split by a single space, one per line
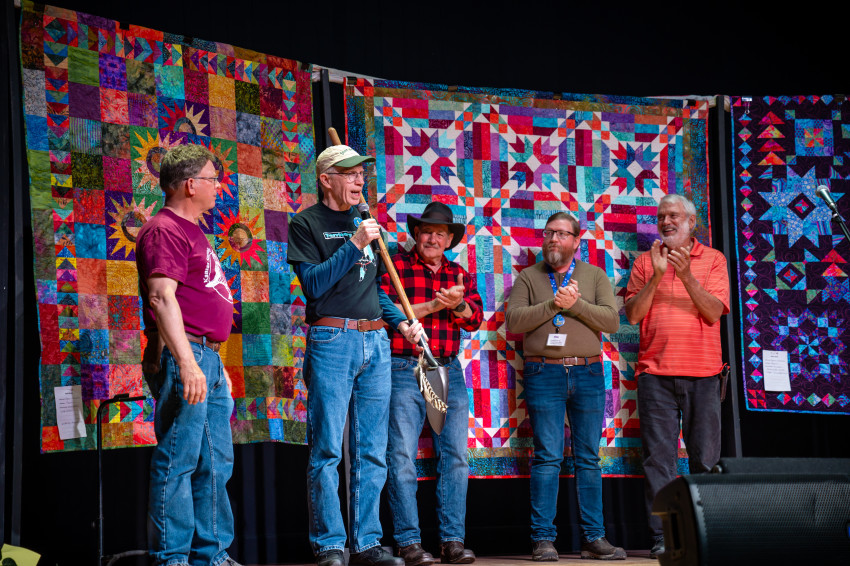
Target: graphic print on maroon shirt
173 247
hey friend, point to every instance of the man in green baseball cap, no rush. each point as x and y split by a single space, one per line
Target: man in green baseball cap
347 360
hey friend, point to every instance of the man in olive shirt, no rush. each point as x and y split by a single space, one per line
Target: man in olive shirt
562 304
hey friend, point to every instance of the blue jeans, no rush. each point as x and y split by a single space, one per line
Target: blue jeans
407 415
189 515
662 401
550 390
346 372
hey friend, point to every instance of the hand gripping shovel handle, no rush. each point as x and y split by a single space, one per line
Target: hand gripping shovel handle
385 257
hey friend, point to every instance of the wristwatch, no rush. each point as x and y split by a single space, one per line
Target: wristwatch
460 307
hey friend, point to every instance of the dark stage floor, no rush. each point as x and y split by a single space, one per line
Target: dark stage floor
635 557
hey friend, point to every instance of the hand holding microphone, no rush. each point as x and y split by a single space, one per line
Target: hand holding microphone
367 232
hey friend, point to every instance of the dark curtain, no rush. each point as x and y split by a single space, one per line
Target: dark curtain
13 240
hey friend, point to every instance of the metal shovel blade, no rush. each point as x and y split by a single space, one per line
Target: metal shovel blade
439 379
433 380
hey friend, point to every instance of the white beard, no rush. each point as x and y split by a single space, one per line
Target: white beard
676 241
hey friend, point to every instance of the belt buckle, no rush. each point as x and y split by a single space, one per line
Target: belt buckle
359 321
574 360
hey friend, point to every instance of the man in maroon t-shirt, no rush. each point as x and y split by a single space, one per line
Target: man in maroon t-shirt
188 312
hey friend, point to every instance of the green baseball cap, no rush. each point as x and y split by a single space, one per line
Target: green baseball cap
339 156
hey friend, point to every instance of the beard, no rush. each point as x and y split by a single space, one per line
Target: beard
556 256
677 240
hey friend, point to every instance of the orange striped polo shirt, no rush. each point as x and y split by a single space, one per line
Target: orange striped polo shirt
674 338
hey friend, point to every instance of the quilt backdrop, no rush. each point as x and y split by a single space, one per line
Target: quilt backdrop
792 259
503 161
103 102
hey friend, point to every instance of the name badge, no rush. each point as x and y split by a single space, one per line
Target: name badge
557 340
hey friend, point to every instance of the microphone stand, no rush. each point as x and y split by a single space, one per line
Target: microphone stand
837 217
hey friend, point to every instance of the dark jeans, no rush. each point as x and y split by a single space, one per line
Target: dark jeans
662 401
551 390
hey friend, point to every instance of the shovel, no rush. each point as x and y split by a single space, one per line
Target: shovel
432 377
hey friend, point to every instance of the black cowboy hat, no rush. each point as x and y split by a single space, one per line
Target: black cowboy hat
438 213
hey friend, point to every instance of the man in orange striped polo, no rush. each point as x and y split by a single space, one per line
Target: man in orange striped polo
678 291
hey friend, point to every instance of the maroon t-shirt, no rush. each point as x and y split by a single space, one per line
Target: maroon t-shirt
176 248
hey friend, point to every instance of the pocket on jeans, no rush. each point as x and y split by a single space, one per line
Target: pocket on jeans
399 364
531 369
596 369
197 351
323 334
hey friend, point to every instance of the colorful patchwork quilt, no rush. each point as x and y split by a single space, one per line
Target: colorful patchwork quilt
792 256
103 102
504 161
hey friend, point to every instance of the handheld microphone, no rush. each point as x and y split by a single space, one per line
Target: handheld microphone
823 192
364 211
365 214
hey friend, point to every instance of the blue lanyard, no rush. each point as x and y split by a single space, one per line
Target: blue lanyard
558 321
567 276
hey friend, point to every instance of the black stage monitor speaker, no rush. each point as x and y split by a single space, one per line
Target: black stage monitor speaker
749 517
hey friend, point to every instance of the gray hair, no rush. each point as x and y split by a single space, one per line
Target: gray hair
182 162
673 198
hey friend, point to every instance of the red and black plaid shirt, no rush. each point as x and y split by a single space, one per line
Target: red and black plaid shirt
421 284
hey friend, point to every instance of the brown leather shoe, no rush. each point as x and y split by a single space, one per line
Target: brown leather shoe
453 552
415 555
601 549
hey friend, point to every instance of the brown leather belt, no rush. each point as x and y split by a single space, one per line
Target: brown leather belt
211 344
153 336
361 325
565 361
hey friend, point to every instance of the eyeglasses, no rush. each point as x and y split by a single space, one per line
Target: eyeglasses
352 176
561 234
213 179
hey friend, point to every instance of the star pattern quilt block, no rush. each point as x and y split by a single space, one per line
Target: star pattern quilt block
504 160
792 266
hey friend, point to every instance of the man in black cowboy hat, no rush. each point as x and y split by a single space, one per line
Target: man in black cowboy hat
444 300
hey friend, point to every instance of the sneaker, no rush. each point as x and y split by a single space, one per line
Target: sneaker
657 547
601 549
375 556
543 551
415 555
330 558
